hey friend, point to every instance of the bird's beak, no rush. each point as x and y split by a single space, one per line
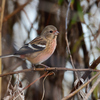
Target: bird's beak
56 32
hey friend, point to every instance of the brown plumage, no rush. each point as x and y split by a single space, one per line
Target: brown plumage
40 48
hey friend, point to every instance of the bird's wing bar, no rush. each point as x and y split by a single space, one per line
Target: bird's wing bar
38 44
30 48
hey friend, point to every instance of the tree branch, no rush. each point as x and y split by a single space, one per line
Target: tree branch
67 21
16 11
1 22
86 74
92 89
81 87
49 69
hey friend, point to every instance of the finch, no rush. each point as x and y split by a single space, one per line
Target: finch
40 48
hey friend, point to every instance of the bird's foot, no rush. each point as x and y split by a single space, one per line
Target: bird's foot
33 67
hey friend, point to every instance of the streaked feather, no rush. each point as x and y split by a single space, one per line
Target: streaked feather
38 44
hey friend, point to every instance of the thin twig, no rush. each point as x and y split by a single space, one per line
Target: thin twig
67 21
29 19
67 15
49 69
31 83
92 33
1 22
35 81
87 73
81 87
16 11
70 54
43 83
92 89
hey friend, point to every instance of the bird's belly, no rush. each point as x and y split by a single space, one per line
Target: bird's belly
39 58
44 55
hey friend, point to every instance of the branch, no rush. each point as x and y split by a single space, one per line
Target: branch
67 21
76 75
1 22
86 74
92 89
30 84
49 69
16 11
81 87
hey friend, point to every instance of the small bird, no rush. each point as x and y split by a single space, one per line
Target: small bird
40 48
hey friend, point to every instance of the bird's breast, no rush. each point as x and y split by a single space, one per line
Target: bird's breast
43 55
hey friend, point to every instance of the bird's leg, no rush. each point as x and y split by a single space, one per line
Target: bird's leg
33 67
44 66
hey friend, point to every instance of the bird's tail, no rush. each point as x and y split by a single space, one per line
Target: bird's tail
6 56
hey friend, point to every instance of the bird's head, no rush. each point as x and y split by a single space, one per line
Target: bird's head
50 32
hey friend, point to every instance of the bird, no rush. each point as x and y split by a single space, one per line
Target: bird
39 49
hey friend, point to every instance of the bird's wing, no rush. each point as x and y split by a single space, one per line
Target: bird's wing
38 44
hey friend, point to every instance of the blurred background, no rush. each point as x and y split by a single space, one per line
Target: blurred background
25 19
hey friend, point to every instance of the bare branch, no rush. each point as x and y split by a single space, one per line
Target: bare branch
81 87
31 84
70 55
1 22
86 74
67 21
49 69
29 19
51 73
16 11
92 89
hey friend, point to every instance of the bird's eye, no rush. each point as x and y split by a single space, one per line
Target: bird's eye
51 31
